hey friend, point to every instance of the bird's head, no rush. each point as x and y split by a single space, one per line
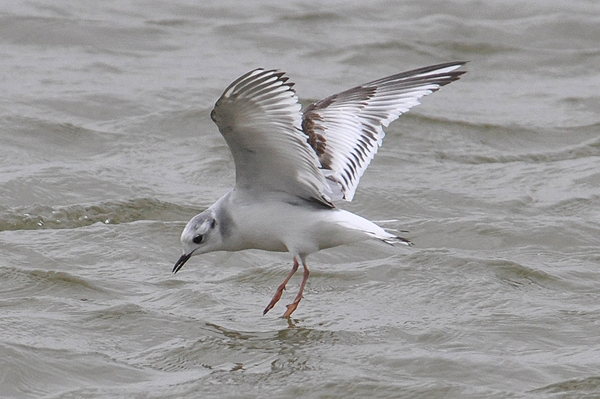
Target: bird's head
201 235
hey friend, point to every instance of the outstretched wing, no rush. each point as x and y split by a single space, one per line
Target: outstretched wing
259 117
346 129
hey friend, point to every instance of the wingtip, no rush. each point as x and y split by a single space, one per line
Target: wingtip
398 240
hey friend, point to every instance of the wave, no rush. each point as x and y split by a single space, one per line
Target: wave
479 143
73 216
36 282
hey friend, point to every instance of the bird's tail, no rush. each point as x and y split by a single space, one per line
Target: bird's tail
392 239
358 223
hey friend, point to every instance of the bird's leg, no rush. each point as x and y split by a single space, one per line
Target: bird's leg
292 306
281 287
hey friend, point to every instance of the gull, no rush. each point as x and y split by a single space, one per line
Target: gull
292 165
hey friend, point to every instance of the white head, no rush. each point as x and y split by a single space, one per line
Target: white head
201 235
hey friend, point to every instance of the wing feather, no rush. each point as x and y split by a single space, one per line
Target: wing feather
346 129
319 155
259 117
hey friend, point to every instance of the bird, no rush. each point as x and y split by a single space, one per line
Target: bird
292 165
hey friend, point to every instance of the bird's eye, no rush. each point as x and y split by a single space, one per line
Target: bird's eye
198 239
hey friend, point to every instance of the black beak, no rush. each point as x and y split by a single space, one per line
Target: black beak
184 258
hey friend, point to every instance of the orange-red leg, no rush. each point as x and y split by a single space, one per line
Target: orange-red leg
292 306
281 287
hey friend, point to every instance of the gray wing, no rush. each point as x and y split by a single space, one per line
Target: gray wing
346 129
259 117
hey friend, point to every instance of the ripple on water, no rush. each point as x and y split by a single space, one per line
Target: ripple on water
215 348
73 216
573 388
20 282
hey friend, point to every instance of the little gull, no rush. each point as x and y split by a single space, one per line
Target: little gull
290 166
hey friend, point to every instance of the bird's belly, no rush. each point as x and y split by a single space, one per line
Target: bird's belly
280 227
261 226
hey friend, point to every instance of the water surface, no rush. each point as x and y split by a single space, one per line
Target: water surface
108 149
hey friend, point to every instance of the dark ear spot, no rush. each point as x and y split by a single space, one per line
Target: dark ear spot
198 239
213 223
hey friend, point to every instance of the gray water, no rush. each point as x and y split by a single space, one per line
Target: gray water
107 149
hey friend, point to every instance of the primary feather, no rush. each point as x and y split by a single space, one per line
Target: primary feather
346 129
